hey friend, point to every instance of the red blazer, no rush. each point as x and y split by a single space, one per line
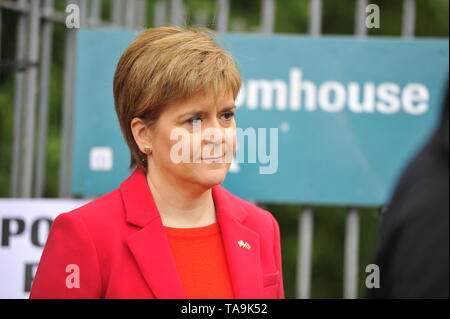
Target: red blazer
121 249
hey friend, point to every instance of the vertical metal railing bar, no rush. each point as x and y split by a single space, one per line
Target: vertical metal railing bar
83 4
351 247
142 14
351 255
95 13
267 27
222 14
19 86
65 167
268 16
117 12
304 252
130 14
177 13
45 74
27 151
306 218
315 17
160 14
306 222
360 19
409 18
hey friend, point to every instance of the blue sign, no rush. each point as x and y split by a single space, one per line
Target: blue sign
334 119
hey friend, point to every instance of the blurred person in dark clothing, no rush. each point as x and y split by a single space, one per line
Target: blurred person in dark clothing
413 244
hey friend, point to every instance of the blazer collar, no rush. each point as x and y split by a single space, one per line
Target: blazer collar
151 250
141 208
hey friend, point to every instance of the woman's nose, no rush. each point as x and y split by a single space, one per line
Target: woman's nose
213 133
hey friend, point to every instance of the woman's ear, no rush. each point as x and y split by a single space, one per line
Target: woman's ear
141 133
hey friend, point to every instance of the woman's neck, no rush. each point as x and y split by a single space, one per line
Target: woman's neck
181 205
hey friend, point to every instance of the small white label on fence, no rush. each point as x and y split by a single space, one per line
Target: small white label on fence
101 159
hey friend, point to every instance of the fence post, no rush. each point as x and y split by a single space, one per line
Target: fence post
351 254
177 15
95 13
141 19
45 72
315 17
19 87
65 167
409 18
160 14
117 10
304 253
30 100
223 11
130 12
360 21
351 249
306 218
268 16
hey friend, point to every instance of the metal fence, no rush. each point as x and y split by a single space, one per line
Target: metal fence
35 22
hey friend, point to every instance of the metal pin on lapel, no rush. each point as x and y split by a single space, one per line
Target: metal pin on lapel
243 244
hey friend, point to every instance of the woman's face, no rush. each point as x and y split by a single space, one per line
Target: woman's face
194 140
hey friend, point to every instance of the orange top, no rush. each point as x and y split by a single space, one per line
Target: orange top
201 261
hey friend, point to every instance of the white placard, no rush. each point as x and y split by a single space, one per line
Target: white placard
25 224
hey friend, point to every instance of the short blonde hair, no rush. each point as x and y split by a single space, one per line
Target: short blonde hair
166 64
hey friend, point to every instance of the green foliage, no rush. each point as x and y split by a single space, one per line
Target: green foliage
291 17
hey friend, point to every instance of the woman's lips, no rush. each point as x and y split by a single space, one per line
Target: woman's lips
213 159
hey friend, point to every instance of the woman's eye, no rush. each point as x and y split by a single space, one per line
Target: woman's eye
228 116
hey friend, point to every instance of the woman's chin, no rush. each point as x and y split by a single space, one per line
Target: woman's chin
211 178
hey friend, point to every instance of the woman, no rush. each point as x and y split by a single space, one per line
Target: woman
170 230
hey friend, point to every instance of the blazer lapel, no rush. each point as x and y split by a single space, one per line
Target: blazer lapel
150 246
151 250
243 260
154 257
